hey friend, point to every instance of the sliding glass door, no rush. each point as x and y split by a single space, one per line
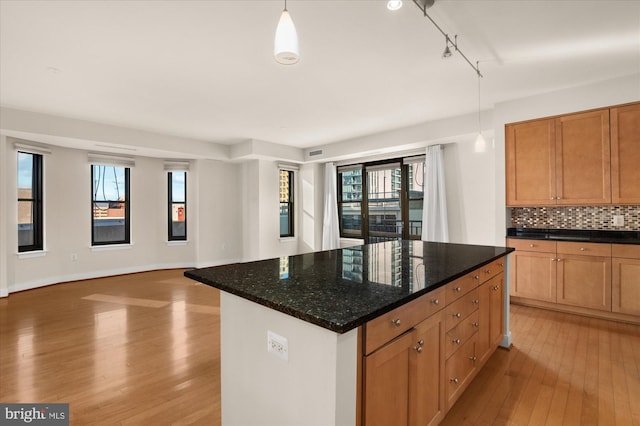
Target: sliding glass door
384 202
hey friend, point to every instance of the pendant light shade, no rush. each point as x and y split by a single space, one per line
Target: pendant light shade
481 144
285 47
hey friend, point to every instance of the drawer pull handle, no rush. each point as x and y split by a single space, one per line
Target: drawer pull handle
476 277
457 315
532 245
418 349
582 249
420 342
475 324
475 301
454 380
501 265
488 271
456 341
457 289
435 301
396 322
496 287
473 358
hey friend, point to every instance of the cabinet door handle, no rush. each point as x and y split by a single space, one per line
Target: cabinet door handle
496 287
582 249
457 315
488 271
396 322
475 324
475 301
435 301
456 341
473 358
454 380
532 245
501 264
476 277
418 349
457 289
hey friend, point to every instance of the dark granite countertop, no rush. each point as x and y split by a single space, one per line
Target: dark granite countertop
342 289
586 235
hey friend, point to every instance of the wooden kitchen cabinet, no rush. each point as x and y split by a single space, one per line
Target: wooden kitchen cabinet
584 275
626 279
625 154
459 369
583 155
490 313
404 379
533 269
531 163
564 160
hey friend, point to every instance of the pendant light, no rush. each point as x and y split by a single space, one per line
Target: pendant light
285 46
481 144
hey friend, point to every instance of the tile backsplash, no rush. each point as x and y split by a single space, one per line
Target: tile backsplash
580 217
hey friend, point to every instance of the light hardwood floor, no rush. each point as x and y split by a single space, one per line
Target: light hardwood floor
144 349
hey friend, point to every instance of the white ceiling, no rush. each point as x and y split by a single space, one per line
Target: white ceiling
205 69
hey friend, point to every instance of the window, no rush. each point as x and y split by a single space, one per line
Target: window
286 203
30 220
177 206
110 216
381 201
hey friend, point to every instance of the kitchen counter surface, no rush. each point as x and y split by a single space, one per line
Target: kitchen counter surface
342 289
585 235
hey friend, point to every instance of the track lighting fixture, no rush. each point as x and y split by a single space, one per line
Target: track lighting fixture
447 52
285 46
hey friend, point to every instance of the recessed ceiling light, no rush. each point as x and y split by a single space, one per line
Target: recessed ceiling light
394 4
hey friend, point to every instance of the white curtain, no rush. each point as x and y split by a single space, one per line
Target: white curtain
434 211
330 225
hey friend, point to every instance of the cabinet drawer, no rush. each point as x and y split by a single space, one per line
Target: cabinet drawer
458 369
461 309
491 270
584 249
532 245
627 251
392 324
461 286
458 335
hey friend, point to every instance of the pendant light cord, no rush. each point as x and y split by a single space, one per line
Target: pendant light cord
479 77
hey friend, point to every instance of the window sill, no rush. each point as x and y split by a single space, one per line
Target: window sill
112 247
288 239
177 243
31 254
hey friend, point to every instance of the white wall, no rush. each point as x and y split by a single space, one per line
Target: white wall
214 227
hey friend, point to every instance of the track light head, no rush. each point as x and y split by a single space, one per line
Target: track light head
447 52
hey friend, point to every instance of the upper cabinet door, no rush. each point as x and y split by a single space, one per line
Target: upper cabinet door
583 156
625 154
530 154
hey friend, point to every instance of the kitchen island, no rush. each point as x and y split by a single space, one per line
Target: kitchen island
293 338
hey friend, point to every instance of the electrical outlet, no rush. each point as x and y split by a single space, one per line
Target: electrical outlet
618 220
278 345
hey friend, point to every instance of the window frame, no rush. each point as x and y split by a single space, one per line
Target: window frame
127 208
364 201
171 202
37 209
290 203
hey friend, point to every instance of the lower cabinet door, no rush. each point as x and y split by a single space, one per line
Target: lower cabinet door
626 286
496 320
458 370
585 281
426 406
386 387
533 275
